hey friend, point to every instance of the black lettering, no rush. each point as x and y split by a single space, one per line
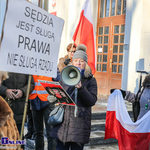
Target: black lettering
45 65
22 25
33 45
27 27
40 63
18 25
12 59
52 36
27 62
21 40
44 19
32 62
37 30
21 60
47 49
39 16
27 12
41 46
33 14
51 22
27 42
32 27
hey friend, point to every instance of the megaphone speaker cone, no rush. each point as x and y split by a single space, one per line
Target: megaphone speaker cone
70 75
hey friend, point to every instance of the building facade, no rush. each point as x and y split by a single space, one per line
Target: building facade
122 39
122 36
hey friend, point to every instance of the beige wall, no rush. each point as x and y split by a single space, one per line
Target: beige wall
145 39
70 10
137 39
135 43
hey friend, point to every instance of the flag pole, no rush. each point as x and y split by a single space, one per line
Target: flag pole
26 106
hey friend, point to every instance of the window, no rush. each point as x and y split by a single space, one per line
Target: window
112 8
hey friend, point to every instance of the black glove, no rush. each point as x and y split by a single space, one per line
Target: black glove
112 90
122 92
67 61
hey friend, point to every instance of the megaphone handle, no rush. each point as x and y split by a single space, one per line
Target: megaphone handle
76 108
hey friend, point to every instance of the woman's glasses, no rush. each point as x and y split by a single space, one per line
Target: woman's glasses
72 51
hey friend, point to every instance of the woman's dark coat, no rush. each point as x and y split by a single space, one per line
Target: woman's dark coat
77 129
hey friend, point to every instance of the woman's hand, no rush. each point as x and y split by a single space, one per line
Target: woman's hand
19 94
10 94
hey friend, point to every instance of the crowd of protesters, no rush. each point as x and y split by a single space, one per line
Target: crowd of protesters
13 89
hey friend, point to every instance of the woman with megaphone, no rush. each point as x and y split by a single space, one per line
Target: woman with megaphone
75 129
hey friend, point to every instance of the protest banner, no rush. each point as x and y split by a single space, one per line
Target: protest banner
55 89
31 40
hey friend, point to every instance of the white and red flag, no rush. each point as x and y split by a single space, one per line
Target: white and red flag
84 33
52 7
130 135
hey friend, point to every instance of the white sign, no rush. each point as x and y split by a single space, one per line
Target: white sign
31 40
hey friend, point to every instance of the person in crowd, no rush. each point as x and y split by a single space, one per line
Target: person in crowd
143 96
64 61
14 91
41 108
30 126
75 129
8 126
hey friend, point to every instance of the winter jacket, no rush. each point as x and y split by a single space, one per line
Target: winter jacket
144 101
77 129
16 81
8 126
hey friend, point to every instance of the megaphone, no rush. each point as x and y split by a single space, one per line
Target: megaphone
70 75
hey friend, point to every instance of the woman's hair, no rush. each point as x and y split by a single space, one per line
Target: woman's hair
3 75
71 45
88 71
146 81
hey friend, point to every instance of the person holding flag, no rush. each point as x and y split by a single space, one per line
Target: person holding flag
130 135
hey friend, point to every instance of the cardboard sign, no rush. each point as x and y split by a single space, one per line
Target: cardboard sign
31 40
55 89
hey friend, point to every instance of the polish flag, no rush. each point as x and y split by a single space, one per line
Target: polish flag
52 7
84 34
130 135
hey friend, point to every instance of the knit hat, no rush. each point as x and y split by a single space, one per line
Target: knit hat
81 52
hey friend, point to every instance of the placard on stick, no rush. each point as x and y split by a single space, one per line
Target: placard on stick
31 40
